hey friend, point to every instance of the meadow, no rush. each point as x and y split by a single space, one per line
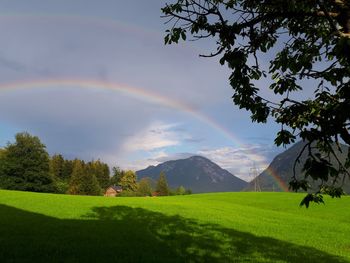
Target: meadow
218 227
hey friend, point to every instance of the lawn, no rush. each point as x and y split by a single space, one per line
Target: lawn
220 227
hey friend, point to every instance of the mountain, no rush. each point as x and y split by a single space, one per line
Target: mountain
279 173
196 173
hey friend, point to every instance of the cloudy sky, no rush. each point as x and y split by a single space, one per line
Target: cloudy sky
93 79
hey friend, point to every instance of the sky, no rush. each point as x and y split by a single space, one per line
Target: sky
94 80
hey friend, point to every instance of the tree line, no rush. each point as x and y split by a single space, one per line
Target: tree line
26 165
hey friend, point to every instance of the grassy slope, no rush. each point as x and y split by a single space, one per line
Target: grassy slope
223 227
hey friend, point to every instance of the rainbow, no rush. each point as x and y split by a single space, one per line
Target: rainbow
138 93
280 183
134 92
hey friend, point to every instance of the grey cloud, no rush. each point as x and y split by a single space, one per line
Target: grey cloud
11 64
64 49
157 131
194 140
261 139
92 123
170 157
74 121
239 161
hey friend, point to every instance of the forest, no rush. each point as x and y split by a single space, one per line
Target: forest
25 165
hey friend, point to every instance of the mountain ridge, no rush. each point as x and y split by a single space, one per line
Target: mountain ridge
282 167
197 173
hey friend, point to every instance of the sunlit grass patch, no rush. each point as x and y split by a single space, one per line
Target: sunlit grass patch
222 227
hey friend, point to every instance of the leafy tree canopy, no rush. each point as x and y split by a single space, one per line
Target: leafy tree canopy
145 187
128 181
307 44
25 165
181 190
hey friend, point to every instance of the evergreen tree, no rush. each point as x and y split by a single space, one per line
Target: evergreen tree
82 182
2 161
101 171
25 165
77 178
56 166
90 185
162 187
144 187
67 169
117 175
128 181
106 178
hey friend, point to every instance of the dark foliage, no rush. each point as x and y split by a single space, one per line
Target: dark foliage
101 171
24 165
284 167
117 174
309 43
162 187
82 182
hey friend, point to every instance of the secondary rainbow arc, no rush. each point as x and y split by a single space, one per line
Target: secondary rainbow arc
128 90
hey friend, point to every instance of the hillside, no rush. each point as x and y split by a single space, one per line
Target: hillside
282 167
196 173
216 228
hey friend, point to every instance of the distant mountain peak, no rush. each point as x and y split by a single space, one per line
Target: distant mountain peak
197 173
280 169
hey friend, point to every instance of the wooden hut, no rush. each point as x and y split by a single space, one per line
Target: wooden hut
113 190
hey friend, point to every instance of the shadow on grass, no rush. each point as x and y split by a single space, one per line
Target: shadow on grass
124 234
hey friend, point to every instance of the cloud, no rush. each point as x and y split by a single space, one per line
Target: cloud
85 123
102 124
260 139
77 123
155 144
155 136
164 157
143 163
154 158
12 65
194 140
240 161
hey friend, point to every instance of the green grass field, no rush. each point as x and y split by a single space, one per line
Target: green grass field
223 227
